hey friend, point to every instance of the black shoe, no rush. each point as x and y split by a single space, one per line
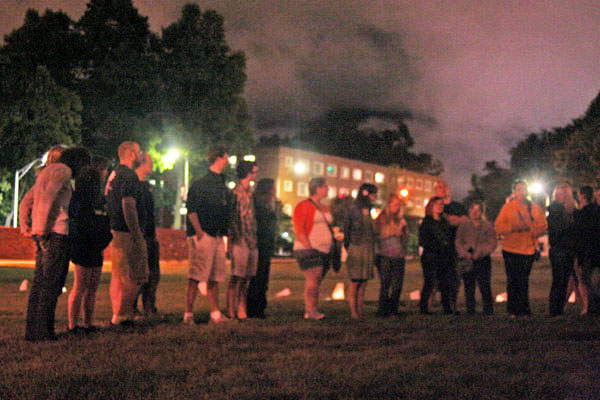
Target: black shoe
91 329
78 330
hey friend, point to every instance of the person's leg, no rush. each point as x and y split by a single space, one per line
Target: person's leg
484 276
231 295
360 298
428 283
190 295
241 298
384 267
212 292
149 289
446 281
57 267
257 290
353 299
312 278
91 282
116 289
75 297
396 283
35 327
469 281
511 267
558 261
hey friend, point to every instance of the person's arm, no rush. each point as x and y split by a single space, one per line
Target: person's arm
25 213
487 243
504 224
299 221
538 225
131 219
197 228
47 209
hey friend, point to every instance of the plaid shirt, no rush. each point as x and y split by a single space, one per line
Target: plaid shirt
244 222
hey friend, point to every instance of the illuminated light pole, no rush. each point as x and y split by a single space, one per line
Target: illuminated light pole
19 174
169 159
538 188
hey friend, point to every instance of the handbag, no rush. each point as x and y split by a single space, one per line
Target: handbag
465 265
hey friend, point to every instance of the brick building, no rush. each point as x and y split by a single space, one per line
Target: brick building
292 168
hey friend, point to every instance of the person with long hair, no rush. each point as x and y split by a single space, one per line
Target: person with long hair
314 241
520 223
437 257
89 233
266 229
561 237
393 235
475 241
360 240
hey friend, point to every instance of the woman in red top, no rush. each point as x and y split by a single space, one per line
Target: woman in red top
314 241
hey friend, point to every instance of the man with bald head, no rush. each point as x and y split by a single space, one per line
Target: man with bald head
455 213
148 289
129 252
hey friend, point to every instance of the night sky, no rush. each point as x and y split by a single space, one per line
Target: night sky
476 76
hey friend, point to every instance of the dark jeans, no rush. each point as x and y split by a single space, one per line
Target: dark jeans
480 275
148 289
391 276
562 261
257 290
51 267
518 268
589 266
436 268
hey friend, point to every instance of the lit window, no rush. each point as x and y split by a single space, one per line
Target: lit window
428 186
369 176
250 157
379 177
354 193
287 209
418 202
289 161
401 180
409 182
411 204
302 189
332 192
331 170
357 174
419 184
344 192
345 172
318 168
288 186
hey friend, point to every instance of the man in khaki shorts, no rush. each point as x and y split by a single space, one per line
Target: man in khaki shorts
209 207
129 253
242 241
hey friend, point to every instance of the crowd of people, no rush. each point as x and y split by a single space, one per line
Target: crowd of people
76 225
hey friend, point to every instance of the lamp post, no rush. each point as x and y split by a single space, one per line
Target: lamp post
170 158
19 174
538 188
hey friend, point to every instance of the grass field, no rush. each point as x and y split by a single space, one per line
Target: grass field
284 356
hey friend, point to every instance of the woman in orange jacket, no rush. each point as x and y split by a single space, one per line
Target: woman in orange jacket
520 223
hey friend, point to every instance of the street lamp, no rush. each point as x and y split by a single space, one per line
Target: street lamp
19 174
169 160
538 188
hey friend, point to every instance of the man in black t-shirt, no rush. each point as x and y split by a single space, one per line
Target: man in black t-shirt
209 204
148 289
455 213
129 252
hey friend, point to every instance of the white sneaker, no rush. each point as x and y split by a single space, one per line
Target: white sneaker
221 319
314 315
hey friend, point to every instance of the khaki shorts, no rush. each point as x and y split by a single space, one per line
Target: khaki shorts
207 262
244 261
129 261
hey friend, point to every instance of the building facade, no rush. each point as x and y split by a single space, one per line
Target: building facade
292 169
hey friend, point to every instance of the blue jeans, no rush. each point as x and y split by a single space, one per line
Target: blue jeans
51 267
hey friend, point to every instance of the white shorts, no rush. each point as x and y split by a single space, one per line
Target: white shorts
207 262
